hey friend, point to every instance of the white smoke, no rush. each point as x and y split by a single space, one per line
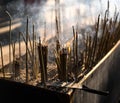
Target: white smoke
73 12
34 12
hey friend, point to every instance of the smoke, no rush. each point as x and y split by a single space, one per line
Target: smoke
44 12
19 10
78 13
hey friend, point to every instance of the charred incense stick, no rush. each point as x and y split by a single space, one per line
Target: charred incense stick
13 49
57 54
74 43
57 18
33 51
42 63
84 88
76 56
2 60
63 63
57 29
27 51
17 67
19 45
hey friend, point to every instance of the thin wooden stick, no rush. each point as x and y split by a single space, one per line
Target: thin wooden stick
76 56
33 54
27 51
44 39
13 49
36 55
9 38
2 60
73 43
41 59
19 45
31 48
